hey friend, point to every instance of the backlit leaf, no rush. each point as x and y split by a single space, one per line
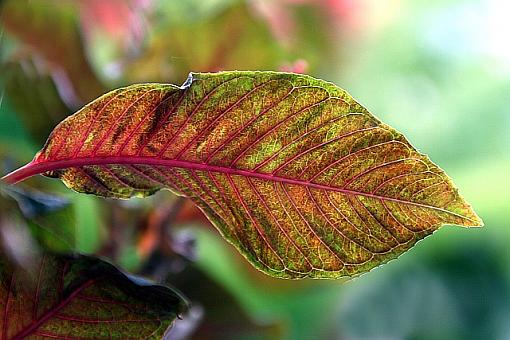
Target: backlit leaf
302 179
81 297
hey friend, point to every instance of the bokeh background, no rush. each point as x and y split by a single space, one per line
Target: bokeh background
437 70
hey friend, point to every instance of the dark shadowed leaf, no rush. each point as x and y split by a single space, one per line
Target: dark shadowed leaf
302 179
82 297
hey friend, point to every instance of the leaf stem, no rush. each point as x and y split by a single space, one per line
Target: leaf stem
23 173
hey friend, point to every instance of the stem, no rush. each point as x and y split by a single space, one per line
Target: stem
22 173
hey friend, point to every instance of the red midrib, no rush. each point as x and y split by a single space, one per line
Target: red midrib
34 168
31 328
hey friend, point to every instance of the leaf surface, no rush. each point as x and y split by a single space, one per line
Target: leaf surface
302 179
81 297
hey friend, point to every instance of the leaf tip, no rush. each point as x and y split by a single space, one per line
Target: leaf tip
477 221
471 219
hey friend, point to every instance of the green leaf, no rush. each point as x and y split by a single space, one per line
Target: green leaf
302 179
82 297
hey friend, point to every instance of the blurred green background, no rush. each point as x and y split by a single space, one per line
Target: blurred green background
437 70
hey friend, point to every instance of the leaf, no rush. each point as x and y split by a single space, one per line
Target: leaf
46 295
82 297
302 179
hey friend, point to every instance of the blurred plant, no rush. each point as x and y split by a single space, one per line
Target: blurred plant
31 89
63 54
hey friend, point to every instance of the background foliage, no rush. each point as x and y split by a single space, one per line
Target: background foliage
438 71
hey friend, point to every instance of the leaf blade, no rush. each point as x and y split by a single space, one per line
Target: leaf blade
84 297
302 179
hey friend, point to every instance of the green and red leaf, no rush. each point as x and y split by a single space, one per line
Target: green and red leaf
82 297
302 179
